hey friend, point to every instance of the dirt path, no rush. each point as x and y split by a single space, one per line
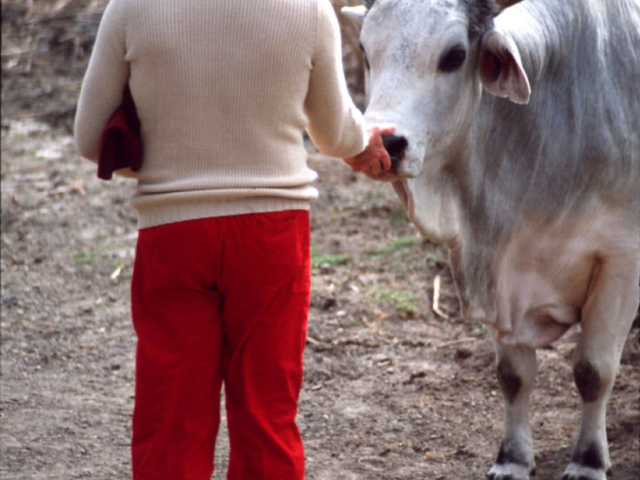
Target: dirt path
391 390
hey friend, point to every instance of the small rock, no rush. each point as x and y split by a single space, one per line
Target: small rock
329 303
435 457
326 269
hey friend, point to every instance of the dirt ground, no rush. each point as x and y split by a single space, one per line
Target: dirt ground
391 390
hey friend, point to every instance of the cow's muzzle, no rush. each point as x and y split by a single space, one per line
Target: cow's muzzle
395 146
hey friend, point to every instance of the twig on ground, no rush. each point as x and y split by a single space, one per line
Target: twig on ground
312 341
455 343
436 299
76 188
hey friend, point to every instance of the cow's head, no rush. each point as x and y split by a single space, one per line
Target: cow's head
427 61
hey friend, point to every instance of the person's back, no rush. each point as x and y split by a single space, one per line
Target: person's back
223 90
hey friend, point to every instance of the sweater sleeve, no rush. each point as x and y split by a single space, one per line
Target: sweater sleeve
335 126
104 82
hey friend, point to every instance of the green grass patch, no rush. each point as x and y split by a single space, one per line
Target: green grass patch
375 198
333 260
434 257
318 259
478 330
399 217
354 322
83 258
403 303
399 245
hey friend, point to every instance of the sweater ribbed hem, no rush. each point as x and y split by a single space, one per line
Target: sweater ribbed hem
155 215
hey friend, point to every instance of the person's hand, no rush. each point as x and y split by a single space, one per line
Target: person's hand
375 159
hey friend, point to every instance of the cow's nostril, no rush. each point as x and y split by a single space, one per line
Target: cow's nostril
395 145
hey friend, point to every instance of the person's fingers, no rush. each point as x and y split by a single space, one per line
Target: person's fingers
375 140
385 159
375 168
380 153
387 129
381 129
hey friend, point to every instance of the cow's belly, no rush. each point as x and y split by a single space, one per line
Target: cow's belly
545 273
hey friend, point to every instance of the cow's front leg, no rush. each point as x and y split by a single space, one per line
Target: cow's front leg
594 372
516 375
606 319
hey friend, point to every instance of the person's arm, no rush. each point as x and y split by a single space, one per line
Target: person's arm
104 82
336 126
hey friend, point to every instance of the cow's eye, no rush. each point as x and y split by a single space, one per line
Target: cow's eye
452 60
364 54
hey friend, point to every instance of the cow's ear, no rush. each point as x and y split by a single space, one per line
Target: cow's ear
355 15
501 70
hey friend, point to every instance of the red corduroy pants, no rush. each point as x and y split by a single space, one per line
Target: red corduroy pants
220 301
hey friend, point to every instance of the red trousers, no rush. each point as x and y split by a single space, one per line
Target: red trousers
220 301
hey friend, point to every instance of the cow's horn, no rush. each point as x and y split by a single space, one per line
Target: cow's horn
369 3
506 3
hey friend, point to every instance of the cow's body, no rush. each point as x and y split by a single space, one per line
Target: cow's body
539 203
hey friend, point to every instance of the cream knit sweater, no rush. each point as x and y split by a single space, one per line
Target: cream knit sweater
224 89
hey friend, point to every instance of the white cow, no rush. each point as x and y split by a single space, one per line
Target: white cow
518 144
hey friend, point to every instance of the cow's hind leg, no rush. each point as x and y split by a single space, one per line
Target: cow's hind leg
516 375
606 319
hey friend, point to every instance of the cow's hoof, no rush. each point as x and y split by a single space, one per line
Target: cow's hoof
509 471
581 472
